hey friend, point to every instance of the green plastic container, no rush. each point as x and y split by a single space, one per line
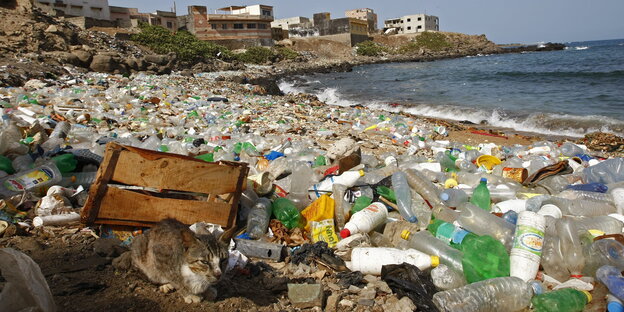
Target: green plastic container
484 258
6 165
209 157
286 211
65 163
361 203
386 193
481 196
562 300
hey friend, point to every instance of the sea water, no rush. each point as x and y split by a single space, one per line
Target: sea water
569 92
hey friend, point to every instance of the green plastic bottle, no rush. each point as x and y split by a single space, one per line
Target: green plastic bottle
6 165
484 256
386 193
361 203
286 211
65 163
562 300
209 157
481 196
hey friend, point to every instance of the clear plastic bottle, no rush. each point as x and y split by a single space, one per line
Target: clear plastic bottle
570 246
581 207
481 222
403 196
421 209
46 174
258 218
570 149
496 294
444 278
341 207
552 259
23 162
76 179
453 197
608 171
444 213
430 245
299 184
604 252
423 187
377 175
606 224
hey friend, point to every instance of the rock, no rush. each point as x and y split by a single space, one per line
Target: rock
83 56
268 84
35 84
381 286
346 303
354 289
333 286
394 305
305 295
157 59
102 63
366 302
332 302
368 293
108 247
342 148
371 278
52 29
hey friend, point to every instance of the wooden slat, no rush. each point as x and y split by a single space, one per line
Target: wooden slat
90 210
118 204
176 174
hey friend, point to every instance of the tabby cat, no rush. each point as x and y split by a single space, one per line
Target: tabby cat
171 255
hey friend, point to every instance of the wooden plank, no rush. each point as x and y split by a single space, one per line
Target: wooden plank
105 172
118 204
174 173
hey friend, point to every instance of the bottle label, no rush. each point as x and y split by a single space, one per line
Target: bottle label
459 236
445 232
29 180
530 239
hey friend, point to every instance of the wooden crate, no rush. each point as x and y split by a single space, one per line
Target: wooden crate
171 174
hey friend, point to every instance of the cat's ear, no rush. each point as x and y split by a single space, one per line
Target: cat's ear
188 238
227 235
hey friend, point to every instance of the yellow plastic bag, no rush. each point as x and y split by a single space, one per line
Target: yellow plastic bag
320 209
324 231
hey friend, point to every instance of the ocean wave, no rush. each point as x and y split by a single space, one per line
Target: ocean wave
542 123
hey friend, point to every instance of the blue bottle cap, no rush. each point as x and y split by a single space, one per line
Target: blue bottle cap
444 196
615 306
412 219
537 287
484 180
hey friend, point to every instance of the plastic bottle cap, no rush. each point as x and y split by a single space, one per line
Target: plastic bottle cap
483 180
596 233
435 261
412 219
444 196
450 183
614 306
405 234
589 296
361 173
345 233
537 287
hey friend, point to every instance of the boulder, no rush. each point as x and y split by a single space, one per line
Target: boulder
83 56
104 63
157 59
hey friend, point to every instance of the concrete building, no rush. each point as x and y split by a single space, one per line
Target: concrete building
412 24
346 30
234 27
129 17
367 15
96 9
291 22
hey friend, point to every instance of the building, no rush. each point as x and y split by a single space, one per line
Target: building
412 24
96 9
129 17
367 15
291 22
347 30
234 26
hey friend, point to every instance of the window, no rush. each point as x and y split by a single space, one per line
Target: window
419 27
224 26
169 25
409 27
262 26
266 12
213 26
238 26
409 19
252 26
420 19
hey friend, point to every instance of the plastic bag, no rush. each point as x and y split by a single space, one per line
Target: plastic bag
320 209
608 171
324 231
26 289
407 280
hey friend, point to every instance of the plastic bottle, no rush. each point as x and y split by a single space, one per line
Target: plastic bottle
369 260
376 176
258 218
76 179
612 277
421 210
444 213
299 185
606 224
403 196
562 300
618 199
511 217
581 207
447 161
366 220
614 304
45 175
481 222
589 187
23 162
361 203
497 294
570 246
430 245
57 137
592 196
449 233
341 207
65 162
423 187
570 149
286 211
481 196
604 252
348 179
6 165
527 247
444 278
608 171
453 197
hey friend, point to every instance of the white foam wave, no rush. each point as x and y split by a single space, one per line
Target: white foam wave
542 123
581 48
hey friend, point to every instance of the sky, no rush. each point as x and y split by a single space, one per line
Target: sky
502 21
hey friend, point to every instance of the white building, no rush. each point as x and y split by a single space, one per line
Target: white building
413 23
97 9
258 9
287 23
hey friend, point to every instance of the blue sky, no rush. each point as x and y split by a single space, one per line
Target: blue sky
502 21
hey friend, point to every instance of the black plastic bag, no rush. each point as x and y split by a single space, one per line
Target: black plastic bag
407 280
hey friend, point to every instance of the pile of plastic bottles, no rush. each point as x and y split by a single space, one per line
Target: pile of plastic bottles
499 226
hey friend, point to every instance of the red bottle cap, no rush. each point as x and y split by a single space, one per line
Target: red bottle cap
345 233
